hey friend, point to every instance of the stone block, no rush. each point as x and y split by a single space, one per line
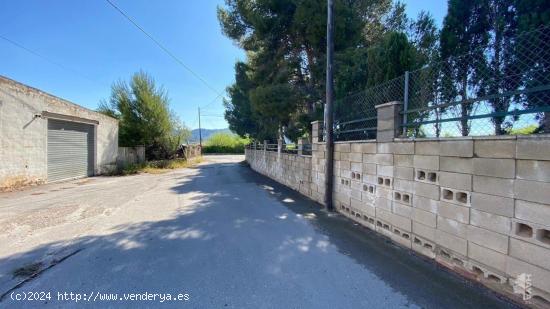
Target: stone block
487 256
491 222
533 191
364 147
403 148
356 167
454 196
425 217
406 173
454 212
356 157
533 148
452 227
402 210
383 159
427 148
494 186
356 203
403 160
423 231
356 194
426 190
384 147
534 212
345 165
425 204
342 147
402 197
530 253
344 156
449 241
369 168
497 205
423 247
533 170
400 222
427 176
401 237
403 185
384 192
384 170
368 210
383 203
426 162
457 148
369 158
456 181
499 148
385 135
489 239
540 277
370 179
503 168
455 164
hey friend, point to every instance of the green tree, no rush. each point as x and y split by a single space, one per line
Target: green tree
281 86
144 116
533 18
464 35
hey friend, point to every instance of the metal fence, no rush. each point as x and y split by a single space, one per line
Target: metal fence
355 115
501 89
285 148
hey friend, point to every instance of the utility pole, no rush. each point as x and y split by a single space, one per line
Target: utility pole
328 127
200 131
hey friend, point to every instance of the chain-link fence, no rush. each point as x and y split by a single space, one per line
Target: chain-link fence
355 115
500 89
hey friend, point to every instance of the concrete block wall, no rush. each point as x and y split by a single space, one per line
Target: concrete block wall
477 205
291 170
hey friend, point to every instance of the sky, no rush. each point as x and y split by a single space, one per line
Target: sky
79 48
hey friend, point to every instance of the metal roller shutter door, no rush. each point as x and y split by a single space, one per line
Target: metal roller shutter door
70 149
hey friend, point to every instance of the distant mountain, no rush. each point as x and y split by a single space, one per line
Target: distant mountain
206 133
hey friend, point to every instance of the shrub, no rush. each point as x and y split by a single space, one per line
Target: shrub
225 143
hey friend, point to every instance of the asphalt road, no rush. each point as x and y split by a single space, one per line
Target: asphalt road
219 235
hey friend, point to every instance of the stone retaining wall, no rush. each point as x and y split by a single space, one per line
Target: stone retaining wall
480 206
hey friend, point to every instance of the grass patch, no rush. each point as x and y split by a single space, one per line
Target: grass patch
158 167
225 143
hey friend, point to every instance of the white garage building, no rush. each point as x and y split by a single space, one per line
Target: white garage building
44 138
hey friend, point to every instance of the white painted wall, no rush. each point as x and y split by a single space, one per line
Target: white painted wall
23 137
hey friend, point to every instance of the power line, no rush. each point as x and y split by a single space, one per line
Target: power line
168 52
46 59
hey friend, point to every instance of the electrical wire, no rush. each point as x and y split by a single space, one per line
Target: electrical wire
47 59
166 50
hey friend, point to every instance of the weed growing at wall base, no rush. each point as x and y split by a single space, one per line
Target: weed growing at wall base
156 167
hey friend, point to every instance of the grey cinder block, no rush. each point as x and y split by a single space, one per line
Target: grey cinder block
487 256
497 205
489 239
494 186
500 148
503 168
457 148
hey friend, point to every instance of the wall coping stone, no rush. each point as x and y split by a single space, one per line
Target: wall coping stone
366 141
388 104
464 138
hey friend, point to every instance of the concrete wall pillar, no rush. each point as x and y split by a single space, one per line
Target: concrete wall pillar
389 120
316 134
300 146
279 148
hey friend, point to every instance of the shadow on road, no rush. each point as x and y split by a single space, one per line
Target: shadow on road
231 245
